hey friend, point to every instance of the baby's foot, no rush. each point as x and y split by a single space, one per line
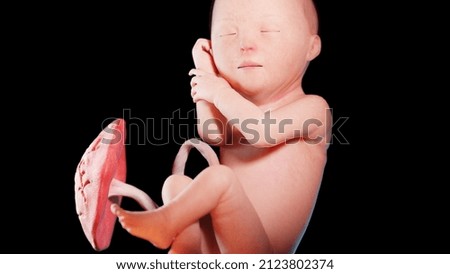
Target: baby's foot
148 225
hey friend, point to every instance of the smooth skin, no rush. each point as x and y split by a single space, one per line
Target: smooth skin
273 138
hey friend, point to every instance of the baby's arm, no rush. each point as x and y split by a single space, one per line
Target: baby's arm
308 118
210 122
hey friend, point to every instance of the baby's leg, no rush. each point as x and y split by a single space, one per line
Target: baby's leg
215 191
196 238
188 241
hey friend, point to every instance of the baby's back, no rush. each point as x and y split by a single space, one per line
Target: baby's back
282 182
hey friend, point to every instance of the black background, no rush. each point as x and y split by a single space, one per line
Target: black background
76 66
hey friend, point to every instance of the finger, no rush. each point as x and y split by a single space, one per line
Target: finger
203 43
206 46
195 98
196 72
192 72
193 82
193 93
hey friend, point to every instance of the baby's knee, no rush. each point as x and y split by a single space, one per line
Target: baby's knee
224 177
173 185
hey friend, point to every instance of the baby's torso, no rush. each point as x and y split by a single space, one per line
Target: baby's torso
282 183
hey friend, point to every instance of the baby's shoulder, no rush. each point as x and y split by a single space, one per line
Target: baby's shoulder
314 113
312 100
309 106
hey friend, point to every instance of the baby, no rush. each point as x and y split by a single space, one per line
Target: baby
273 138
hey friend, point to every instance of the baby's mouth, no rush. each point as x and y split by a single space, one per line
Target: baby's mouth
249 65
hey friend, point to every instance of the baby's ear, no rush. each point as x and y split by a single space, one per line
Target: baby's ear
315 47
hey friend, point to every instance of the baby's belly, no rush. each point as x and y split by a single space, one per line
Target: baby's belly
282 184
273 168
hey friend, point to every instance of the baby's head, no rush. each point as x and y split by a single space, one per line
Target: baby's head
310 12
263 47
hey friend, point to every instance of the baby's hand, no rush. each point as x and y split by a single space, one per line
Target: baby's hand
201 53
207 86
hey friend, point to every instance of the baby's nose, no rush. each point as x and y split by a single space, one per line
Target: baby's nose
247 42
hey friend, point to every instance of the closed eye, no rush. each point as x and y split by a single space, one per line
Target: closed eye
228 34
268 31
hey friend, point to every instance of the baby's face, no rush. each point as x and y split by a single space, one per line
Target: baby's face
261 47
